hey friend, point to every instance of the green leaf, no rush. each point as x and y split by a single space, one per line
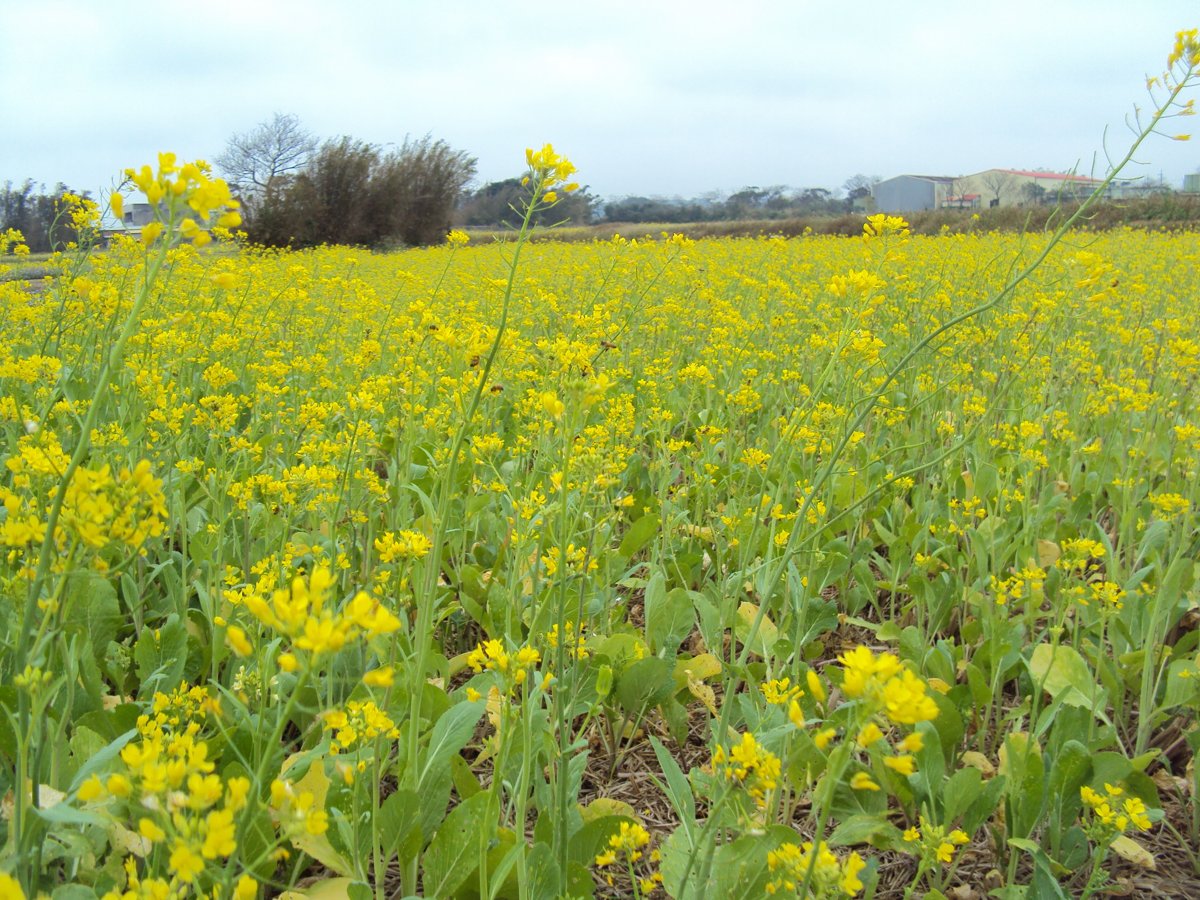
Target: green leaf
679 789
669 615
398 820
100 760
1071 769
1060 670
450 734
640 534
645 684
963 789
453 854
161 654
95 610
875 830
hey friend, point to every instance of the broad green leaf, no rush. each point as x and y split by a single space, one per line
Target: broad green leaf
645 684
640 534
450 734
1060 670
161 654
453 854
669 615
866 829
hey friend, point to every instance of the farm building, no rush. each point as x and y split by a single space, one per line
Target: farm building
908 193
1019 187
991 187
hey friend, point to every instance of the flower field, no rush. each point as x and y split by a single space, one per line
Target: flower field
817 567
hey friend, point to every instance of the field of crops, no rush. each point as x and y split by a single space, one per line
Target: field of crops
616 569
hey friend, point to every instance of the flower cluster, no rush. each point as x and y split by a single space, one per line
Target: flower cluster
934 843
793 867
1112 812
549 173
101 508
512 667
886 685
882 224
628 844
572 639
303 612
749 765
359 723
184 195
393 546
172 797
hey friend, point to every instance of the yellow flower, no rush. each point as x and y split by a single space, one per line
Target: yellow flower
384 676
628 842
185 864
815 688
117 203
150 831
869 735
863 782
904 765
151 232
236 638
91 789
823 737
10 888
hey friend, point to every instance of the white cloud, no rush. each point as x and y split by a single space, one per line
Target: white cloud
647 97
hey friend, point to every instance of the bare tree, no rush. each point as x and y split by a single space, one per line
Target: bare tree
257 160
859 186
999 183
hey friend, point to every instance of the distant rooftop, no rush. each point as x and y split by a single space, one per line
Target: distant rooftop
1056 176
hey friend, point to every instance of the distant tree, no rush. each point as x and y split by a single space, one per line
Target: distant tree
420 185
350 193
1034 193
814 201
500 204
256 160
999 183
859 186
40 216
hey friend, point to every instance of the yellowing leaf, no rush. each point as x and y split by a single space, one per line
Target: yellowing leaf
704 694
767 633
1131 851
1047 553
977 760
700 668
329 889
317 845
606 806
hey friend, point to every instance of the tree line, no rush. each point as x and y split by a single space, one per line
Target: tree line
299 191
41 216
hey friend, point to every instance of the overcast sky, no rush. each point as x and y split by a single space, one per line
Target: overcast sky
646 97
